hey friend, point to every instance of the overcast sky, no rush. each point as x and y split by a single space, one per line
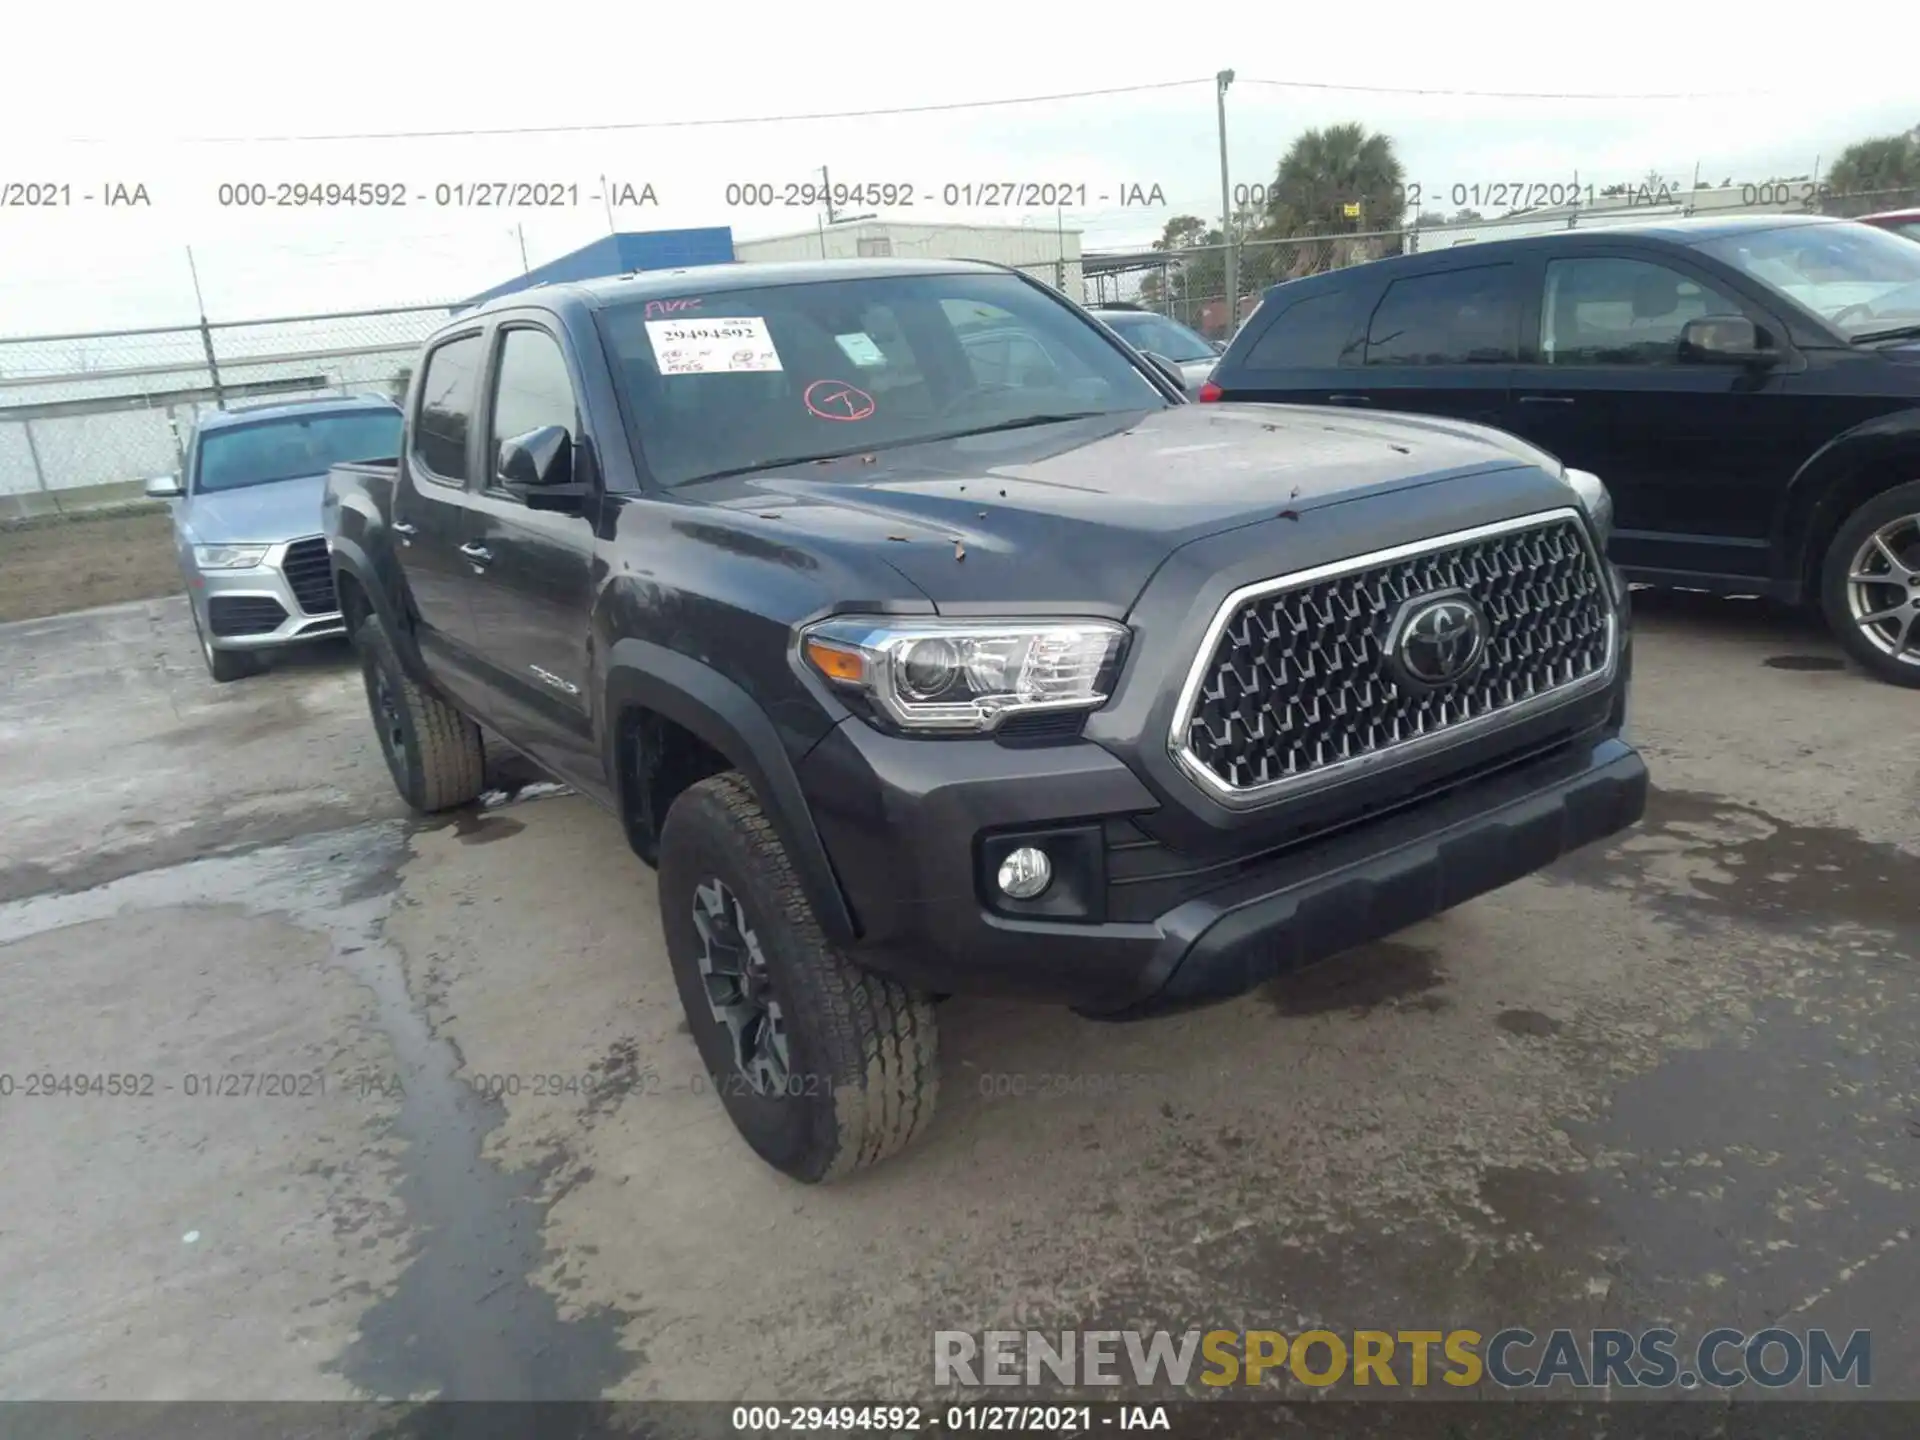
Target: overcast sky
165 96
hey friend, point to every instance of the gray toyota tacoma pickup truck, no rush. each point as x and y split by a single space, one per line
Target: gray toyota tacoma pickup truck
916 672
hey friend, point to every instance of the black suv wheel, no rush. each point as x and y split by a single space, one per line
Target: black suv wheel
1870 585
823 1067
433 752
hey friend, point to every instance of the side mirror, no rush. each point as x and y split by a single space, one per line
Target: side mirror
1167 368
1723 340
1219 347
164 487
538 467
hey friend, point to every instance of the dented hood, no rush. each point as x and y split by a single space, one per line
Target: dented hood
1077 515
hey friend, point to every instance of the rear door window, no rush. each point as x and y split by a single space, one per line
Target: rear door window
1457 317
1311 333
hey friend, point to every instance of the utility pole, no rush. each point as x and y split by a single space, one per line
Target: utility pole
521 231
826 184
1221 82
206 334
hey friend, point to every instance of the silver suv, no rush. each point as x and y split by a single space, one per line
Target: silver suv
246 522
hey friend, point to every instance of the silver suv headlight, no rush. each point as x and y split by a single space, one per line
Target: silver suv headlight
963 677
1595 500
229 557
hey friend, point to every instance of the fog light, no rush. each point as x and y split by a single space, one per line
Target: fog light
1025 873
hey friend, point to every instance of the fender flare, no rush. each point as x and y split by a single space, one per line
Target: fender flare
349 558
1883 437
695 696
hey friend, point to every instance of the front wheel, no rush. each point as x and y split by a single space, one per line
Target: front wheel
823 1067
434 753
225 666
1870 585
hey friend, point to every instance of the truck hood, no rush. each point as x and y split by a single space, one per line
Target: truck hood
257 514
1077 516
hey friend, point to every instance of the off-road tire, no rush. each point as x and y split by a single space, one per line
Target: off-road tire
434 753
225 666
863 1071
1854 532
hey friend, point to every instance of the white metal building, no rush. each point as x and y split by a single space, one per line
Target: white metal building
1046 252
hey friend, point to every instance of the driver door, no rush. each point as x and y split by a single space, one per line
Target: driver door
1697 455
533 570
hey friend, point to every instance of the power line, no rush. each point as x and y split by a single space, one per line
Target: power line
613 127
688 124
1498 94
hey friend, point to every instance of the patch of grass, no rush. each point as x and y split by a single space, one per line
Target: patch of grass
53 564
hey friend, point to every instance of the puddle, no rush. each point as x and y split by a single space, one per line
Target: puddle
1803 662
1740 861
477 828
1527 1022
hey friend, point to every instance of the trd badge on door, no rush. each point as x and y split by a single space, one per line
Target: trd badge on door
547 677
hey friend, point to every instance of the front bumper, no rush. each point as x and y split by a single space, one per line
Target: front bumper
259 608
911 829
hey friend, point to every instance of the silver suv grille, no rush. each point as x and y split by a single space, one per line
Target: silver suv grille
1297 685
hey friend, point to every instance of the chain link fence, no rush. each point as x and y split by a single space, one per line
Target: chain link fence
85 420
1190 285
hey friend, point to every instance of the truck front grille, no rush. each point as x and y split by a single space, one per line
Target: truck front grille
1296 689
309 572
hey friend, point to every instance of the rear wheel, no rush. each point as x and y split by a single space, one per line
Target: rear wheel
223 665
823 1067
433 752
1870 585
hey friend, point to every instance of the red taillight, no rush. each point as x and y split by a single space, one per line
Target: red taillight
1210 392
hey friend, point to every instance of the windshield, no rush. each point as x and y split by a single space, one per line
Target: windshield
745 379
1168 339
1908 228
1858 278
294 446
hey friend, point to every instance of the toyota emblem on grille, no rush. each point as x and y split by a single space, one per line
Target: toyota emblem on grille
1437 640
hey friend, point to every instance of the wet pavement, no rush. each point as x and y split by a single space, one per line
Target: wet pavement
1671 1081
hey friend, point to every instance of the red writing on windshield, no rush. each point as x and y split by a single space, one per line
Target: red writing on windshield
670 307
837 400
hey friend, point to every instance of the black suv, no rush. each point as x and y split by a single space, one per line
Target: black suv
1748 388
917 671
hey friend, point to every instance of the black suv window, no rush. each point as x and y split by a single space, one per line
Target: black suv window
1308 333
532 389
1458 317
1605 310
446 407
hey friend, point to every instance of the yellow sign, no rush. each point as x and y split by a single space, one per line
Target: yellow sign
1351 209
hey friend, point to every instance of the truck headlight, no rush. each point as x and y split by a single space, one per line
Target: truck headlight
962 677
1595 500
229 557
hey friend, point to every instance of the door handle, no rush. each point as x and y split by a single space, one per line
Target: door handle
1349 399
405 531
1546 400
477 554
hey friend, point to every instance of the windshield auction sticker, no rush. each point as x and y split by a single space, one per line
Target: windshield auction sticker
712 347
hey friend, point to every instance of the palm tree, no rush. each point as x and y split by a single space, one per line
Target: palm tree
1326 173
